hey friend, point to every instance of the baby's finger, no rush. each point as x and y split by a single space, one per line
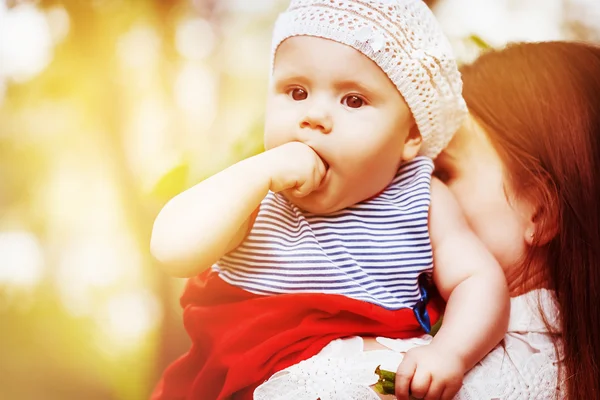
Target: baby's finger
319 175
303 189
450 391
322 165
404 375
419 386
436 388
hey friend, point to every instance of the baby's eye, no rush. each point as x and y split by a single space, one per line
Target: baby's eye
298 94
353 101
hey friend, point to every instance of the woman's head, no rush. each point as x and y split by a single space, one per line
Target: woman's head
472 168
526 168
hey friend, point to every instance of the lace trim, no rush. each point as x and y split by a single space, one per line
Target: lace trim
341 371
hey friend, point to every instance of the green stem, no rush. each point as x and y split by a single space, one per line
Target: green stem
387 382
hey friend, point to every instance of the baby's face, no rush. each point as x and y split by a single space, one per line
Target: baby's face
339 102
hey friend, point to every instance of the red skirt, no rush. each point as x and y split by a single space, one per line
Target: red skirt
240 339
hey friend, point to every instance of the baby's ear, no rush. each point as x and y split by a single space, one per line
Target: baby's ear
412 144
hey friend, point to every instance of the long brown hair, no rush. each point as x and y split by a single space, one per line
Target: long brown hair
540 105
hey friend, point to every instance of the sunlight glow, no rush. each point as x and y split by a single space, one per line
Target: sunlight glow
21 259
139 48
194 38
25 42
196 92
92 267
149 144
128 316
58 22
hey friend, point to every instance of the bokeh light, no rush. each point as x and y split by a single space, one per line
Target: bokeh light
21 259
26 45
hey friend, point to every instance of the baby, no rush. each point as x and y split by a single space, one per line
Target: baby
341 207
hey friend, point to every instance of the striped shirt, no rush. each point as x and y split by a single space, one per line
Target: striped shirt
373 251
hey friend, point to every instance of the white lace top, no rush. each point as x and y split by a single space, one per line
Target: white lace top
523 366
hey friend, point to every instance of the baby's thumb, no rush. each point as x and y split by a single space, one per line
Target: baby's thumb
302 190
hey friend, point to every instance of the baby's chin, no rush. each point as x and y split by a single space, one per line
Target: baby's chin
315 203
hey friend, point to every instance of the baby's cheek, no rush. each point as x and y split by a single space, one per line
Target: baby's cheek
268 141
278 130
273 136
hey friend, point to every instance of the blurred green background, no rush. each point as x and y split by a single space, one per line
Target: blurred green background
108 108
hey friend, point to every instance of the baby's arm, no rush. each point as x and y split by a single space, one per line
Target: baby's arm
469 278
478 304
200 225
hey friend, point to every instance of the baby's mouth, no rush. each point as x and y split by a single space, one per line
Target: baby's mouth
325 163
325 175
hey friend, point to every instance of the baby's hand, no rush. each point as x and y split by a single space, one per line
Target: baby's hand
295 166
430 373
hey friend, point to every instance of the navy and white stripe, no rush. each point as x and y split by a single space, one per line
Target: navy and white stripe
373 251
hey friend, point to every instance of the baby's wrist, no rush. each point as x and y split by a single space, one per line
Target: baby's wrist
451 352
270 165
259 167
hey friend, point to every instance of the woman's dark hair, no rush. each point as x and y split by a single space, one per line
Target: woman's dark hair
540 106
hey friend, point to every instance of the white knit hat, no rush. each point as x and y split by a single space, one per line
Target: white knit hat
405 40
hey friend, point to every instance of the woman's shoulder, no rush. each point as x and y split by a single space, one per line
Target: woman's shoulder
529 311
525 364
518 369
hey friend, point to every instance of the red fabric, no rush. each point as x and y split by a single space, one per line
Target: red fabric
240 339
